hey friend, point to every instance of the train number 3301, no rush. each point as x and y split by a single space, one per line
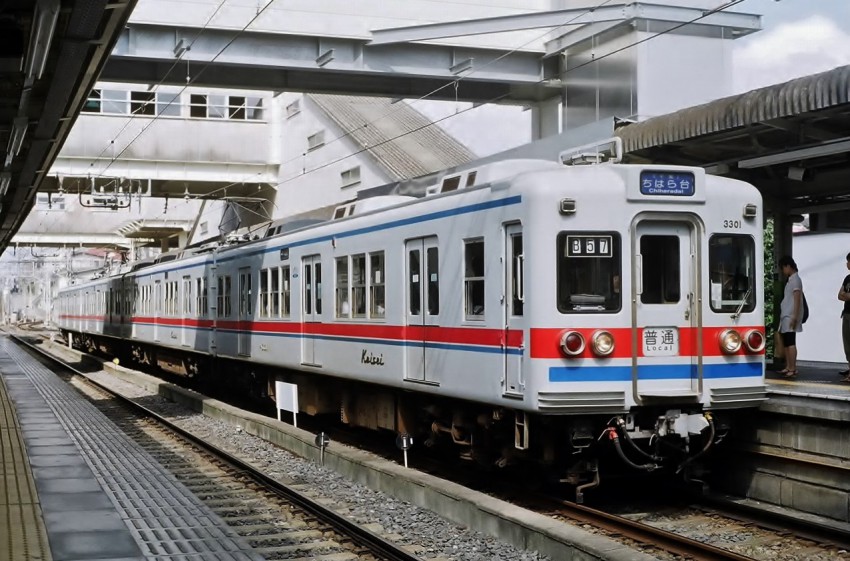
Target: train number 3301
731 223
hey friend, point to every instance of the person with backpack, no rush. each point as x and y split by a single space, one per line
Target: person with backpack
844 296
791 314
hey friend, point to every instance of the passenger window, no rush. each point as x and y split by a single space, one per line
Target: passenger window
433 281
473 279
415 282
358 285
588 272
376 285
343 307
284 280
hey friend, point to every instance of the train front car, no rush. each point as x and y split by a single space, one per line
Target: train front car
647 312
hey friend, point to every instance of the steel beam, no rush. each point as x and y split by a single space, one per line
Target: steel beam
743 23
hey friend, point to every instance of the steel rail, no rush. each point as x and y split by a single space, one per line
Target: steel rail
362 537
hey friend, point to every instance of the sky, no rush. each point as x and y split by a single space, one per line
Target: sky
798 38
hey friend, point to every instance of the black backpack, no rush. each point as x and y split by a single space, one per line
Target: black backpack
805 309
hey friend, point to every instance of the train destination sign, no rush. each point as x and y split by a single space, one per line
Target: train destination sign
676 183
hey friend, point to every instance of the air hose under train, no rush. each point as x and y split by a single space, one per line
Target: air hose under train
615 439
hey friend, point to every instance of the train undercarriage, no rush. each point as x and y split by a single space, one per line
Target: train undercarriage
575 450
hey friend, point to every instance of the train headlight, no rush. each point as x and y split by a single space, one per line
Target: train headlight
730 341
602 343
572 343
754 340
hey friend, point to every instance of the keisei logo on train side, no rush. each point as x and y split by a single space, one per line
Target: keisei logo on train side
368 357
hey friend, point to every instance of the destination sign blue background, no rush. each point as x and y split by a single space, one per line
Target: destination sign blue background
677 183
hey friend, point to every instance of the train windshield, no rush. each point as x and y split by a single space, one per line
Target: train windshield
732 262
589 272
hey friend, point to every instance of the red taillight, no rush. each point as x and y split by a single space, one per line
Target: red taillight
754 340
572 343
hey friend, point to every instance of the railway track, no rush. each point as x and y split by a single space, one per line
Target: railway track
653 538
278 521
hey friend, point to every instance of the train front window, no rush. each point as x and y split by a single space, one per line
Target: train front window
732 266
588 272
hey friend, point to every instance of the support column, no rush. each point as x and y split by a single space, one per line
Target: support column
546 118
163 244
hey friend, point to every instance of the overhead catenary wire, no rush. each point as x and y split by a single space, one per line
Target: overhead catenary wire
722 7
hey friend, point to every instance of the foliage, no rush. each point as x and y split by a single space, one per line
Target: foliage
771 287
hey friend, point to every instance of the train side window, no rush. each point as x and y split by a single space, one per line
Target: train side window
285 309
223 296
415 287
432 265
661 269
187 297
473 279
376 285
343 306
517 280
731 262
265 296
274 289
588 272
358 285
318 288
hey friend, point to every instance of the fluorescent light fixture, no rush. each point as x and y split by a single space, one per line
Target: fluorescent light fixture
44 23
5 179
826 149
16 139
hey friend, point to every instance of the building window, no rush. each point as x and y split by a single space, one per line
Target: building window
473 279
168 103
115 102
254 108
315 140
217 107
293 109
143 103
92 104
198 106
350 177
236 109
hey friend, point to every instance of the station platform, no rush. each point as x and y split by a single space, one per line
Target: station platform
76 488
817 391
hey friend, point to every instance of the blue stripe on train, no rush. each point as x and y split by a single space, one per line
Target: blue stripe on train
653 372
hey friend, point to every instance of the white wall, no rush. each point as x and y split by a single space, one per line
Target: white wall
321 185
821 259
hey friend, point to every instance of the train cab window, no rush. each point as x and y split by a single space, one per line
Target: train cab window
661 269
473 279
732 266
376 285
358 285
588 272
343 303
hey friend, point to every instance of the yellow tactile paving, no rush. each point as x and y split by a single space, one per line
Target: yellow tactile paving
23 536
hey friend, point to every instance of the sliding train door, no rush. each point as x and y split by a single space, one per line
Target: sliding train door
422 305
311 307
666 313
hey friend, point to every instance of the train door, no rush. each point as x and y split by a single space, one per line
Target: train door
311 307
245 312
423 305
157 308
512 306
666 316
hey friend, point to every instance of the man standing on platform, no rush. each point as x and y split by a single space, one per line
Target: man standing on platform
844 296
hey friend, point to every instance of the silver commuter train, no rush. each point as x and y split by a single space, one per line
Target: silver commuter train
522 310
